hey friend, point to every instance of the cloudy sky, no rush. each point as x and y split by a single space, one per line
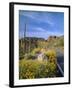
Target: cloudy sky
41 24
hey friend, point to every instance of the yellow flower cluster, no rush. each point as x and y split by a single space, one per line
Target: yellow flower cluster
51 54
29 69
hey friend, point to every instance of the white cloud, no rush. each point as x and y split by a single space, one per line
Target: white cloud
40 29
45 18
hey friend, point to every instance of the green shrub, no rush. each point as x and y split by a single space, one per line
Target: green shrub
21 53
51 54
29 56
36 50
29 69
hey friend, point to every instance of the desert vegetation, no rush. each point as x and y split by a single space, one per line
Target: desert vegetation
39 57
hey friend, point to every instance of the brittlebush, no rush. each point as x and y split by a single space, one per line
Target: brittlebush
29 69
51 55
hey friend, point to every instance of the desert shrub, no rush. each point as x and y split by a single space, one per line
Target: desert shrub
51 54
42 44
21 53
29 69
60 43
29 56
52 68
36 50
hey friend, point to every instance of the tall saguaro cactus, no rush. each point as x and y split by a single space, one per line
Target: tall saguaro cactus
25 38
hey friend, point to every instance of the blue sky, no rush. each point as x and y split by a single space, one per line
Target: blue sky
41 24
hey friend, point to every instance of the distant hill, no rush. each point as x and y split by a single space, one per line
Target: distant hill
55 41
35 38
52 41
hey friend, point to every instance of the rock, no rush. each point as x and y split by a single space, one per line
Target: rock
42 57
